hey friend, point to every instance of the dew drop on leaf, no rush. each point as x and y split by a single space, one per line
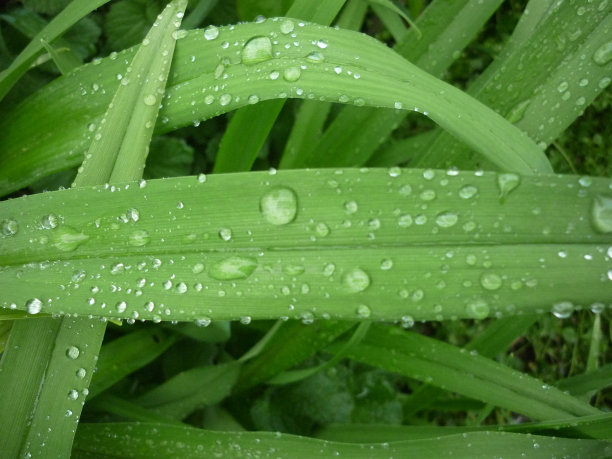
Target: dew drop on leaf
73 352
350 207
291 74
287 26
468 192
563 310
257 49
149 99
49 221
506 183
407 321
356 280
446 219
225 234
279 206
10 227
203 321
490 281
67 239
601 213
139 238
211 32
33 306
121 306
363 311
315 57
603 54
477 309
233 268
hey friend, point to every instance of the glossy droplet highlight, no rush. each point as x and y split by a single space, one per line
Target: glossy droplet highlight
601 213
233 268
356 280
279 206
33 306
563 310
49 221
211 32
10 227
73 352
257 49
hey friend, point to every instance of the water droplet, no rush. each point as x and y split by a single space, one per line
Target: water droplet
491 281
68 239
49 221
477 309
563 309
10 227
603 54
225 99
225 234
356 280
518 111
363 311
149 99
181 287
407 321
386 264
350 207
601 213
404 221
245 320
139 238
73 352
211 32
253 99
329 269
429 174
279 206
322 229
315 57
321 44
33 306
395 172
287 26
293 270
121 306
468 191
81 373
233 268
274 75
291 74
506 183
257 49
597 308
73 394
203 321
446 219
78 276
428 195
197 268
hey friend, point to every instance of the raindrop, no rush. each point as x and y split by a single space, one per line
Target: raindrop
363 311
121 306
446 219
386 264
149 99
322 229
601 213
477 309
73 394
407 321
211 32
293 270
315 57
139 238
203 321
329 269
68 239
490 281
279 206
395 172
197 268
356 280
350 207
257 49
253 99
181 287
245 320
117 268
428 195
10 227
405 190
73 352
468 192
225 234
233 268
597 308
603 54
33 306
291 74
78 276
81 373
506 183
202 178
225 99
563 309
321 44
404 221
49 221
287 26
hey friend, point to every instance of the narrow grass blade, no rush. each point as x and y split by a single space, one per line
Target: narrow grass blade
144 440
428 245
58 25
128 410
384 79
127 354
446 366
587 382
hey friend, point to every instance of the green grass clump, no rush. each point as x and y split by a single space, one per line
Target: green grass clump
266 236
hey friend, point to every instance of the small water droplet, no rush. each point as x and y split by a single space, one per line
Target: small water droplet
287 26
428 195
603 54
321 229
225 99
601 213
291 74
468 192
491 281
211 32
139 238
257 49
10 227
350 207
356 280
225 234
197 268
597 308
121 306
563 310
203 321
253 99
181 287
245 320
49 221
233 268
506 183
477 309
149 99
363 311
386 264
321 44
329 269
293 270
279 206
407 321
404 221
33 306
73 352
446 219
315 57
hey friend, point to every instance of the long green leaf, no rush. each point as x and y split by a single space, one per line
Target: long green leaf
304 244
146 440
339 65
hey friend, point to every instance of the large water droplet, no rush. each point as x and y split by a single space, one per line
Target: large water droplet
468 191
601 213
477 309
350 207
73 352
518 111
225 234
363 311
121 306
506 183
279 206
563 309
139 238
446 219
68 239
49 221
257 49
149 99
33 306
491 281
10 227
292 74
211 32
232 268
315 57
356 280
603 54
287 26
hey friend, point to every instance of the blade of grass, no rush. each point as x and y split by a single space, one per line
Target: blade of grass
145 440
480 242
57 381
129 410
464 373
385 79
75 11
587 382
